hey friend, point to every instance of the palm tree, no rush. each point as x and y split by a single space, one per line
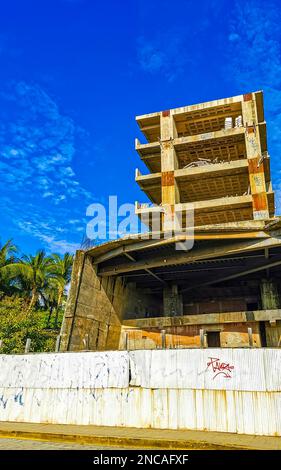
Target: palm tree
60 269
34 272
7 252
50 298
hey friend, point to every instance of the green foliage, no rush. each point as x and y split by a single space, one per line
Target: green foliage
32 296
16 326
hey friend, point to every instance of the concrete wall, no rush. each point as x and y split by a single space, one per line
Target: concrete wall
273 333
233 335
230 390
214 305
96 307
184 331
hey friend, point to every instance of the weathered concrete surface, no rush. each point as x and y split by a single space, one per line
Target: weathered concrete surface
184 331
269 294
96 307
172 301
234 335
175 139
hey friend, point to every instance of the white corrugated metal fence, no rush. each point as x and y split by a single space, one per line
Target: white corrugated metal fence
232 390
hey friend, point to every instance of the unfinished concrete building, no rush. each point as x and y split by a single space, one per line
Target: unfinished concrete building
141 293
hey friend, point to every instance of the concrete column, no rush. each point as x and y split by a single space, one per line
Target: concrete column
269 295
172 301
254 154
169 163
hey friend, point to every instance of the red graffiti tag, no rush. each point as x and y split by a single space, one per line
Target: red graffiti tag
220 367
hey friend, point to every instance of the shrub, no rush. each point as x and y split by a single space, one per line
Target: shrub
16 325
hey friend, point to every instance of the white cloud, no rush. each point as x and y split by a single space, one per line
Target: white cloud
60 246
254 63
37 147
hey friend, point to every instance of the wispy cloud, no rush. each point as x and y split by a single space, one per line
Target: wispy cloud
254 62
164 54
38 145
60 246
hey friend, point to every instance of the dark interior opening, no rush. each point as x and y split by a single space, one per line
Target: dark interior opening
263 334
213 339
252 306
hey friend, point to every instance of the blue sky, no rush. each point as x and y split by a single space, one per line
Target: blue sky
74 73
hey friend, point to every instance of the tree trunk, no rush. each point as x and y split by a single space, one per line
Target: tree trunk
49 317
60 294
33 299
57 317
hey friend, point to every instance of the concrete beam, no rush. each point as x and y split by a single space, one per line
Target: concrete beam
260 267
254 155
219 204
212 170
238 230
194 107
224 133
182 257
204 318
147 149
206 171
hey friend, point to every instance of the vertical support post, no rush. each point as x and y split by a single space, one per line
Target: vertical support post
58 343
254 155
126 341
270 298
202 338
1 343
163 339
172 301
86 342
169 163
27 345
250 334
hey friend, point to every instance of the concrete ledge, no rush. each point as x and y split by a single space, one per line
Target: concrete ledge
138 438
203 319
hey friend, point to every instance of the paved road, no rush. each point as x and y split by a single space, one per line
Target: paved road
27 444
